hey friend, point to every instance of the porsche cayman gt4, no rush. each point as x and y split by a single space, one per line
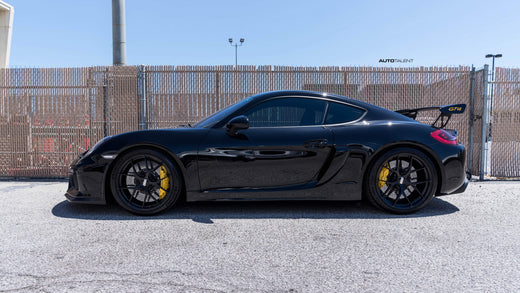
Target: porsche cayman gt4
279 145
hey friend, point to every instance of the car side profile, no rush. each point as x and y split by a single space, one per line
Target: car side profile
279 145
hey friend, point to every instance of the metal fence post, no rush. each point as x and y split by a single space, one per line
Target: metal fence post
471 117
485 109
217 90
105 104
141 93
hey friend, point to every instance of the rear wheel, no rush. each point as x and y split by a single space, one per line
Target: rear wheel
145 182
401 181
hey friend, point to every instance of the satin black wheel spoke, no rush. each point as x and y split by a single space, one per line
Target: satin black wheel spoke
154 169
388 168
420 182
401 167
160 187
146 196
395 201
146 164
387 192
128 187
158 196
408 188
419 169
396 160
157 187
410 165
133 195
129 174
397 197
133 167
409 202
421 195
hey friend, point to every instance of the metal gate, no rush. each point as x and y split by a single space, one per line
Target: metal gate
505 121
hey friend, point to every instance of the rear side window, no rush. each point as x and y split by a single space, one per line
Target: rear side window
341 113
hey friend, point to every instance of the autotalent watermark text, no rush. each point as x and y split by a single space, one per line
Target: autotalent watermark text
395 60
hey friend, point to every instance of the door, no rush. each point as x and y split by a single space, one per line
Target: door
285 146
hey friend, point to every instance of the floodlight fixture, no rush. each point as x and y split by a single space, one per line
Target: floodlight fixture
236 45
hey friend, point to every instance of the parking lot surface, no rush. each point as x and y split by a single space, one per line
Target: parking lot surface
465 242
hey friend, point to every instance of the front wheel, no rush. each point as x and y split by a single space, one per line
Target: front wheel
401 181
145 182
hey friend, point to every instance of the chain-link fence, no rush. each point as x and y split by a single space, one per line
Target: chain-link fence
48 116
505 131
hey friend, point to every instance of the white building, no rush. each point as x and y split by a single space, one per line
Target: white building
6 30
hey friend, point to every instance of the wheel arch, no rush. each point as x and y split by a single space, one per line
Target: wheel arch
109 197
405 144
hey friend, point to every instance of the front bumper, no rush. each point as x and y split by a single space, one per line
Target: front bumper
86 182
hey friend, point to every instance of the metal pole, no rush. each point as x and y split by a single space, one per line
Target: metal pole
485 109
491 99
236 55
141 91
217 85
471 118
105 96
236 45
118 32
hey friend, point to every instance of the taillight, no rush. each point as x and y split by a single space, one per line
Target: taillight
445 137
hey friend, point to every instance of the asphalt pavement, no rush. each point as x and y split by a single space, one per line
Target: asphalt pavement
459 243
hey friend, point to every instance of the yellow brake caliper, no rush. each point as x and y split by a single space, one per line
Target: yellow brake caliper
165 182
383 175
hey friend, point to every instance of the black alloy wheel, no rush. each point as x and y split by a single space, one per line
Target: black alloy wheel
401 181
145 182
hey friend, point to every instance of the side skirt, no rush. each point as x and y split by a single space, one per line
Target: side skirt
330 191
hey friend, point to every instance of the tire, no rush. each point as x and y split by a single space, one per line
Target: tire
401 181
145 182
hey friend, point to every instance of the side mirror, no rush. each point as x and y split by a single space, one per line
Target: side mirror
237 123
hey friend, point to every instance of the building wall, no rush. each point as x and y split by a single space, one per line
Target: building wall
6 29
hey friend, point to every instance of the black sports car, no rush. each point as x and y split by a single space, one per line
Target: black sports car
279 145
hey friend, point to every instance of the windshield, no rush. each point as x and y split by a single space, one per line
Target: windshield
218 116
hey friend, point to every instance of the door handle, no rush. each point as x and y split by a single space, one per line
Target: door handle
316 143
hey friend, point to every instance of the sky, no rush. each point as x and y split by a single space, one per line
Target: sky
77 33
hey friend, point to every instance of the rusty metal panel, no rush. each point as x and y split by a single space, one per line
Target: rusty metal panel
505 135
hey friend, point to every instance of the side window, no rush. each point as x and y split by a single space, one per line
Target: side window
287 112
341 113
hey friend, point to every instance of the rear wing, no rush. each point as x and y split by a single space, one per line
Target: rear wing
444 116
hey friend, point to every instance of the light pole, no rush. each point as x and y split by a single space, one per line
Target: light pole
236 45
492 87
118 32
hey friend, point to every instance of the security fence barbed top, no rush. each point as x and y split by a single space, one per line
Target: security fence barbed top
49 116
